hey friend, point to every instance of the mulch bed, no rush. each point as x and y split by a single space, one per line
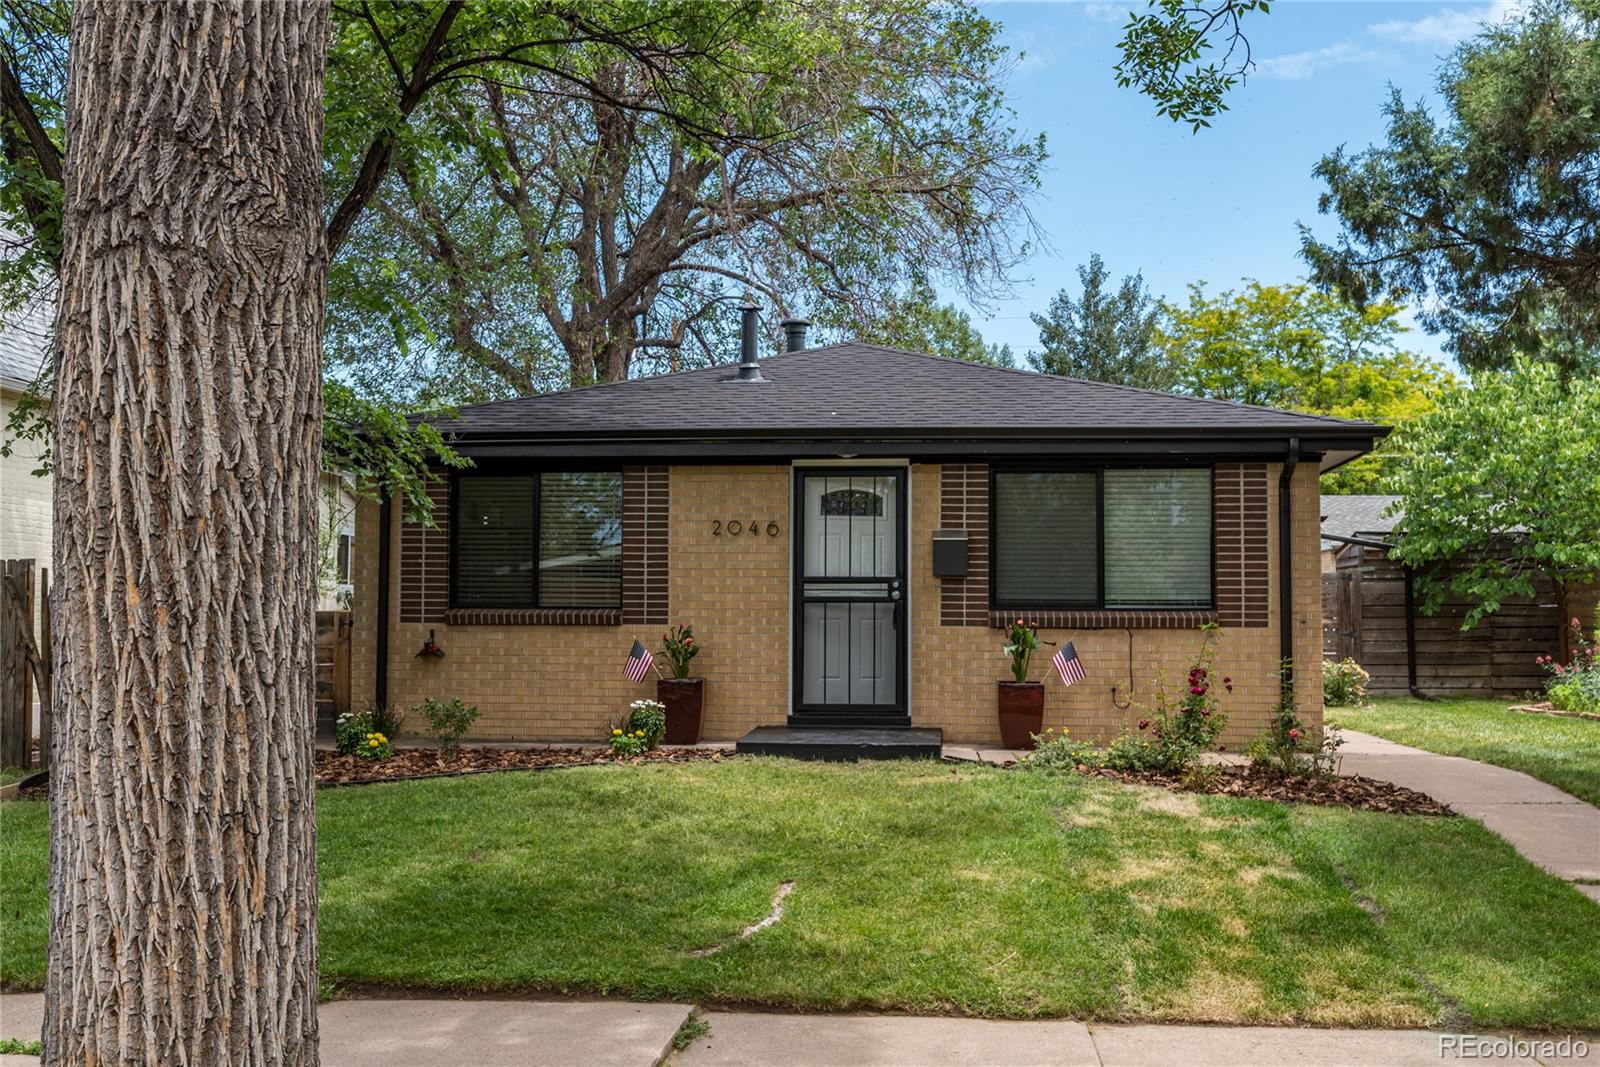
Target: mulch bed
1344 791
412 763
1547 708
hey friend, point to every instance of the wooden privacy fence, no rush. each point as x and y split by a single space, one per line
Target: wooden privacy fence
1365 618
24 662
333 668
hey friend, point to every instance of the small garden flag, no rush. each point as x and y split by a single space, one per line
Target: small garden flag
1068 665
639 660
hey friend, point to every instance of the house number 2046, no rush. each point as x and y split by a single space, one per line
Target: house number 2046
753 528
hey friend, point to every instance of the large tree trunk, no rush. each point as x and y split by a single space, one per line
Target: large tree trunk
187 404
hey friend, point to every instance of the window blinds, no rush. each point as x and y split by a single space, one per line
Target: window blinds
494 542
1158 538
1046 538
580 539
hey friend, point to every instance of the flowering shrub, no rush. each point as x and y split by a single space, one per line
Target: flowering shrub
1288 749
1175 731
1575 686
1344 684
628 742
648 717
358 735
1021 640
679 646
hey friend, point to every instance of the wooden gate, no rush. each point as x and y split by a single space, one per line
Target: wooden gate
333 669
24 662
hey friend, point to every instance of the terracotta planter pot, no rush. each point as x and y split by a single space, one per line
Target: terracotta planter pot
1021 713
685 701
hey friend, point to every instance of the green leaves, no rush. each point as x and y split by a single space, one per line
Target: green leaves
1488 219
1501 483
1291 346
1165 52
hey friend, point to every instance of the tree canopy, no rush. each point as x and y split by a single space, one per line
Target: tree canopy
1292 346
1511 465
1104 336
550 235
1488 220
918 322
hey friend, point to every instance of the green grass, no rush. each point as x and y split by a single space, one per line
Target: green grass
12 774
11 1046
1562 751
920 887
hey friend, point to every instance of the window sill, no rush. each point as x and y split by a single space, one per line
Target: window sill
533 617
1092 619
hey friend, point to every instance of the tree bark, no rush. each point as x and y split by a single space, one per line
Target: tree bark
187 438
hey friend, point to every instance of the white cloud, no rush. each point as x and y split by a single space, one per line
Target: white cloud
1298 66
1448 27
1103 12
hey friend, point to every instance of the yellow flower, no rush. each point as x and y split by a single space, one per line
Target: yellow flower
615 733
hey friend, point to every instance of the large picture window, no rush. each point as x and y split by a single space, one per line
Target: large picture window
551 540
1103 538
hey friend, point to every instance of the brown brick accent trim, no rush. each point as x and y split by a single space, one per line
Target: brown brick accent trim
1105 620
646 499
534 616
964 505
1243 569
425 561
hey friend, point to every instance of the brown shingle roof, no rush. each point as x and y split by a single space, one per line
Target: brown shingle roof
854 389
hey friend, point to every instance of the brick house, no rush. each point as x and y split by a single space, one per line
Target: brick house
788 508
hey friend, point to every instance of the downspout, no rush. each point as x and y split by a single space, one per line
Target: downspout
1285 559
380 682
1411 634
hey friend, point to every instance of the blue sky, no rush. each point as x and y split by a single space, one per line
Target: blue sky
1222 204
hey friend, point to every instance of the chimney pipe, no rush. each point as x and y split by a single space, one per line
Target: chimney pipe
749 368
794 334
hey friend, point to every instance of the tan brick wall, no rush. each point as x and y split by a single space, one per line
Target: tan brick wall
563 683
953 687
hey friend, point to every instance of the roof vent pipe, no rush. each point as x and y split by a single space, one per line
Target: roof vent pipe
749 368
794 334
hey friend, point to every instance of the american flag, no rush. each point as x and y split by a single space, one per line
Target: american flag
639 660
1068 665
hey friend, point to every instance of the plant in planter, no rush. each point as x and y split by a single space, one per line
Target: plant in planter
1021 703
683 697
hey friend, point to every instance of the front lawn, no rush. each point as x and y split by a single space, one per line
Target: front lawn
920 886
1562 751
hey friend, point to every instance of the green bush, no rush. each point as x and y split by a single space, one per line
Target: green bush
1060 752
1575 686
1344 684
448 721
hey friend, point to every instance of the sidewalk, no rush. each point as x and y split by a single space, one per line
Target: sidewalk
1553 829
616 1033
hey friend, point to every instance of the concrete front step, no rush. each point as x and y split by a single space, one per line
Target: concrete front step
816 743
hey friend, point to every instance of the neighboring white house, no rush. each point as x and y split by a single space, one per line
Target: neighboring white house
25 524
24 498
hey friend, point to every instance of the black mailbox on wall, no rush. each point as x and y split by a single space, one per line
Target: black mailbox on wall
950 553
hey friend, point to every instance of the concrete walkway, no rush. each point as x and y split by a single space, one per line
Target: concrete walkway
615 1033
450 1033
740 1038
1553 829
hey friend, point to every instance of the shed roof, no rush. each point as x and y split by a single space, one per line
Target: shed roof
1355 515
